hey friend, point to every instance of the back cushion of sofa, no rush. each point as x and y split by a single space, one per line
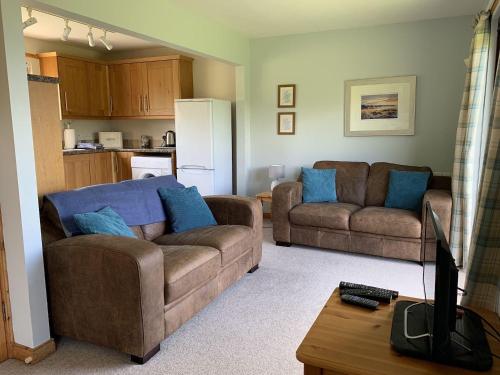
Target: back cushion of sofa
378 181
350 181
154 230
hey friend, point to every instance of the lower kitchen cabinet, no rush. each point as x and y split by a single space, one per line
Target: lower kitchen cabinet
88 169
123 165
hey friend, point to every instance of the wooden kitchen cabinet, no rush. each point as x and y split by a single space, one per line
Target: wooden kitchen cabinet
74 87
160 93
123 165
138 89
78 170
120 90
88 169
98 89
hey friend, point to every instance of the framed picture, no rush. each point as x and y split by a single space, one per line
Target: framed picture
286 123
380 106
286 96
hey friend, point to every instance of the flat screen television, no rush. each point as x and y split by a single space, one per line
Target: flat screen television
437 329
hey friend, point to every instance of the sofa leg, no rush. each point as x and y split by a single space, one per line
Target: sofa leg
253 269
147 356
285 244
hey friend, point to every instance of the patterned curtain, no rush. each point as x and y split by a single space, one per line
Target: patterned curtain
468 138
483 271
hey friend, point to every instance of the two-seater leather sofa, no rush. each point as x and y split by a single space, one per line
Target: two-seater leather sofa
130 294
359 222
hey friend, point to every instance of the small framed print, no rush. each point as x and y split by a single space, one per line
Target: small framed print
286 123
286 96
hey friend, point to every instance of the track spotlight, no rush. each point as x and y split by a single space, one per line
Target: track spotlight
90 37
30 21
104 40
67 30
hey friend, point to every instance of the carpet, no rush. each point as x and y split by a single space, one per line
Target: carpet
254 327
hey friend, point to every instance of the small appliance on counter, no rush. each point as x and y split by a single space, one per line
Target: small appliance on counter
168 139
146 141
69 137
89 145
111 139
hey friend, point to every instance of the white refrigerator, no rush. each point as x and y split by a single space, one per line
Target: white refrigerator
204 145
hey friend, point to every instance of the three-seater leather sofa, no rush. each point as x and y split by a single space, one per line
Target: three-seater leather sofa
359 222
131 293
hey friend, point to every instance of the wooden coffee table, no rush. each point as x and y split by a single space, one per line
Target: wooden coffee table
347 339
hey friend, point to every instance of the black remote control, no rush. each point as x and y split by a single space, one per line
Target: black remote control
377 295
359 301
346 285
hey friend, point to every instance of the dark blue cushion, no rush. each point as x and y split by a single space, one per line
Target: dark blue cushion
186 209
319 185
406 190
105 221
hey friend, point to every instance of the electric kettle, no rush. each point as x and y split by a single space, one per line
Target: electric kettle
170 139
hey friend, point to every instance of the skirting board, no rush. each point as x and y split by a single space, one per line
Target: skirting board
31 356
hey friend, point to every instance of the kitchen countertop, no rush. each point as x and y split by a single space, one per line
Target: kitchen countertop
77 151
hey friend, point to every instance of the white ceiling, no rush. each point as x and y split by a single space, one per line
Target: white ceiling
51 28
260 18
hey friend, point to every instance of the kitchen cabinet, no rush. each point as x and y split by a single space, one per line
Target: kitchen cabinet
47 138
98 89
88 169
160 93
120 90
138 89
123 165
83 85
78 170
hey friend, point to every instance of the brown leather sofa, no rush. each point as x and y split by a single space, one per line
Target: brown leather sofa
359 222
130 294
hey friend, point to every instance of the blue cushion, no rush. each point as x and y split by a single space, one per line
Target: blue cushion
186 209
319 185
104 221
406 190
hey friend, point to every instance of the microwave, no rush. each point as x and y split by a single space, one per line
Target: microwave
111 139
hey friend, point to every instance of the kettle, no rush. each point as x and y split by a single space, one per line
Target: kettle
170 139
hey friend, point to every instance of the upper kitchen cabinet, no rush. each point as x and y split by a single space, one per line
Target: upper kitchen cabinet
120 90
153 84
83 85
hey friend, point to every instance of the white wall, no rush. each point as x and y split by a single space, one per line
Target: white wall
319 63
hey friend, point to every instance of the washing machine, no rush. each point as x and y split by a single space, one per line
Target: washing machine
150 166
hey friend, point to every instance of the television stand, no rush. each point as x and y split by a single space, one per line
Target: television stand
467 348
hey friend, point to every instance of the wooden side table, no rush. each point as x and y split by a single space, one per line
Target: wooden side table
266 196
347 339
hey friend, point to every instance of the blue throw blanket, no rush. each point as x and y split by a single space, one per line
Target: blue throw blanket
136 201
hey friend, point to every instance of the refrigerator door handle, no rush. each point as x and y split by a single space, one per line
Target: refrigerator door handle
193 167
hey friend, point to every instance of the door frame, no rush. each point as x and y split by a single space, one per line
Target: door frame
6 331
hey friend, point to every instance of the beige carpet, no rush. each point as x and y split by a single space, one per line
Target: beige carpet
254 327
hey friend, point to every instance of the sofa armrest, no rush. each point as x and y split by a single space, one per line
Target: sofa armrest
236 210
441 203
107 290
285 196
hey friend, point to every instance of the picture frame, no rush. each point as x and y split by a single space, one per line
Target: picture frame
286 123
286 96
380 106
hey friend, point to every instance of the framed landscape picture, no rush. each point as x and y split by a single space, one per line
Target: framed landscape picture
380 106
286 96
286 123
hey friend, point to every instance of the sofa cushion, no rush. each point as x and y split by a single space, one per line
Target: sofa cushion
323 215
351 178
406 190
387 221
318 185
188 267
154 230
230 240
378 181
104 221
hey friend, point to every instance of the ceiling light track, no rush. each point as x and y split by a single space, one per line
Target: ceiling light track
67 29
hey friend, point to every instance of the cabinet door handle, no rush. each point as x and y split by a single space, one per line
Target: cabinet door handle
66 101
141 104
110 104
147 98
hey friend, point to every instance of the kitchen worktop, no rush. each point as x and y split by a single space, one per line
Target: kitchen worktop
77 151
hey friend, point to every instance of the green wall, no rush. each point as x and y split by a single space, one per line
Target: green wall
319 63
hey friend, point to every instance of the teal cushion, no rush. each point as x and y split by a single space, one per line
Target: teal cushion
318 185
104 221
186 209
406 190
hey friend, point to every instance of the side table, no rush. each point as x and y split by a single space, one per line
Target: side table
266 196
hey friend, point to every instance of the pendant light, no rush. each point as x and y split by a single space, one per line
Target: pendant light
31 20
67 30
90 37
104 40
